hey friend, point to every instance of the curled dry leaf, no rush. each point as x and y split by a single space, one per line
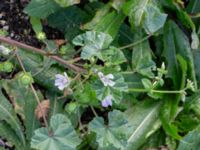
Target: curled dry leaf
59 42
41 109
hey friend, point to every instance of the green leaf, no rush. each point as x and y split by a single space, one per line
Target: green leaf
170 107
194 6
112 134
153 19
92 42
145 13
147 84
193 103
105 21
143 121
113 55
118 4
175 42
69 21
41 8
141 58
196 55
66 3
86 95
166 119
191 141
195 40
24 104
157 139
7 114
36 24
10 135
61 136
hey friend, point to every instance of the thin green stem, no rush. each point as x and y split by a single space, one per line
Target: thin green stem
157 91
135 43
93 111
168 92
137 90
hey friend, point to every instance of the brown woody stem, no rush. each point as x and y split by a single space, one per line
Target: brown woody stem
41 52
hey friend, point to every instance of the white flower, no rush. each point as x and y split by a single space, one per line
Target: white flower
107 101
4 50
62 81
106 79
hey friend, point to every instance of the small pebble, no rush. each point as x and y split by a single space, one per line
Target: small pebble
2 22
6 28
12 35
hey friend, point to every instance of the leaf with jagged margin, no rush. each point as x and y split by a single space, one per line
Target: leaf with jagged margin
145 13
93 43
41 8
7 114
115 133
62 136
143 121
114 55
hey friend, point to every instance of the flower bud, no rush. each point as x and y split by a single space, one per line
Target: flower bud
41 36
25 78
6 66
71 107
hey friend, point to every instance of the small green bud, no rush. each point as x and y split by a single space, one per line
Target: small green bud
190 85
92 60
41 36
25 78
6 66
162 71
118 68
108 64
86 66
71 107
63 50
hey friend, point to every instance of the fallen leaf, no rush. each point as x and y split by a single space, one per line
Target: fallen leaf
42 109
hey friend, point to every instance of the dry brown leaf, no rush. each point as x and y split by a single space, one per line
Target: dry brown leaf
41 109
59 42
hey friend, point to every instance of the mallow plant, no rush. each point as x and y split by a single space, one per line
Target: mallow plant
125 76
